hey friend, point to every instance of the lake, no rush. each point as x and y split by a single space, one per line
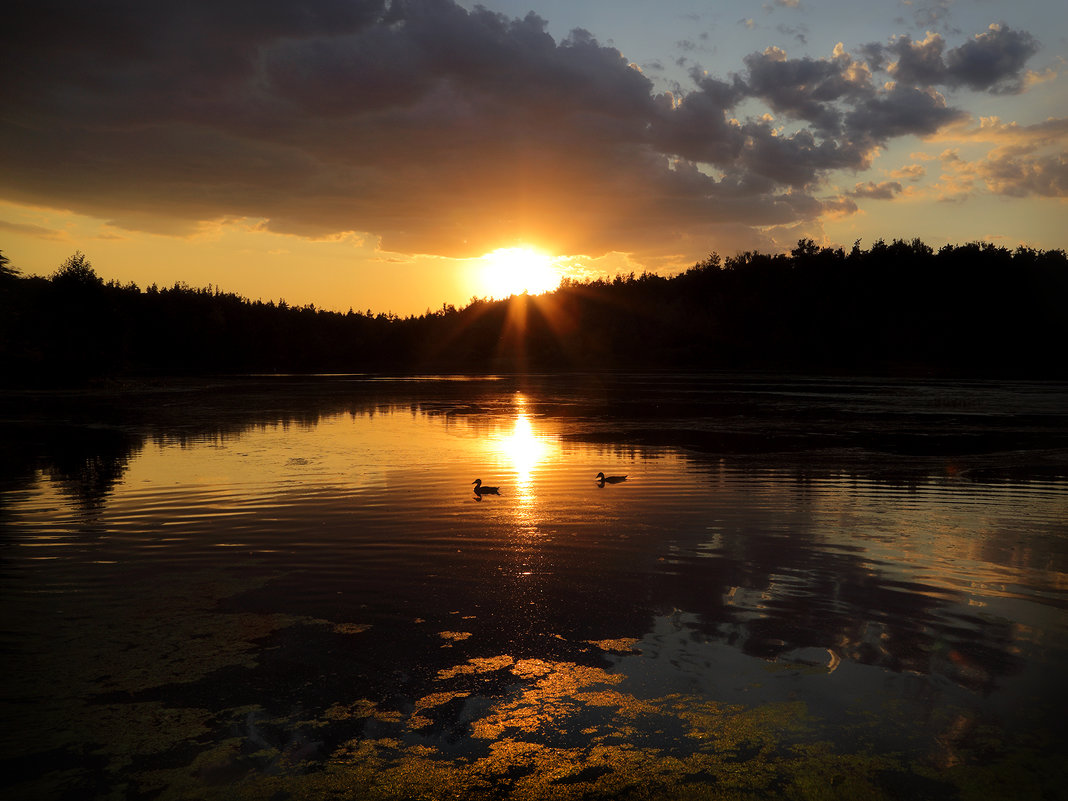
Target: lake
285 587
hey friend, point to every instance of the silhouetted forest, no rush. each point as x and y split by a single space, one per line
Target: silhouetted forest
894 309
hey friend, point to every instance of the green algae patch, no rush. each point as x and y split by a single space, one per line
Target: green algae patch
454 636
995 769
120 705
349 628
361 709
477 666
535 748
567 732
622 645
422 716
815 772
99 679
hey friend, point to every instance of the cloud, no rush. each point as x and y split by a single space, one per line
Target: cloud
439 130
957 179
1032 78
910 172
29 229
806 88
1051 132
838 207
901 111
1024 160
800 32
992 61
1023 174
928 14
884 190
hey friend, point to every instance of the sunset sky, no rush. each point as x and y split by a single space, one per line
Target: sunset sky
368 154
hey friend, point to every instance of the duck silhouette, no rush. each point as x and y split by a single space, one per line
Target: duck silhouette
480 490
602 479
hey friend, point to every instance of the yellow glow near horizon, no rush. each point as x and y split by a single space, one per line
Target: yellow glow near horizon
513 271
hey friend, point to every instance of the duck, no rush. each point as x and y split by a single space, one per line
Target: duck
480 490
603 479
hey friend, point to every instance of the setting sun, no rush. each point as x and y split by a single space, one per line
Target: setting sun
513 271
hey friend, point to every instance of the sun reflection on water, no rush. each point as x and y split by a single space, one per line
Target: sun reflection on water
526 451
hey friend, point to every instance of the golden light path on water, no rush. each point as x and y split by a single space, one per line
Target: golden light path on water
525 450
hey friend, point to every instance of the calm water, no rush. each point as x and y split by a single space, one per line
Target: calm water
286 588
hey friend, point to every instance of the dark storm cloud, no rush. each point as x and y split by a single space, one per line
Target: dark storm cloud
435 127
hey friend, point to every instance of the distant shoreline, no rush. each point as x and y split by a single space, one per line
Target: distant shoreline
896 310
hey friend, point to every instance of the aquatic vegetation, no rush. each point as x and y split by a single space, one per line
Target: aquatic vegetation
567 731
454 636
489 726
620 645
832 633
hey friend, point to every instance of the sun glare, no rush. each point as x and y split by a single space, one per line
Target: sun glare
522 446
525 449
513 271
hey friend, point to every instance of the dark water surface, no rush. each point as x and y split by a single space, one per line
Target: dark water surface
285 588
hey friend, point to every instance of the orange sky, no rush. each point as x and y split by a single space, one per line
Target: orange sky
368 154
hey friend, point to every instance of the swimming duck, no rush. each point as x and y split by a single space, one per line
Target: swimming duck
603 479
480 490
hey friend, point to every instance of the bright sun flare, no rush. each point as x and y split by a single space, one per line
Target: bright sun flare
513 271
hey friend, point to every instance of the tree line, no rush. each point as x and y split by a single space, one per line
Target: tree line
896 308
